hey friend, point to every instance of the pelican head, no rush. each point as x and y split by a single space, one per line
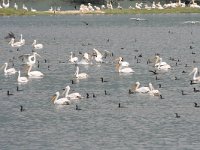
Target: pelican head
194 70
35 53
55 96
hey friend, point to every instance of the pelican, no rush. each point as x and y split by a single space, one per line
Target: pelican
163 65
34 73
6 5
21 79
152 91
73 59
80 75
72 95
124 70
33 10
22 40
85 60
24 7
122 62
159 62
37 46
8 71
30 59
15 44
61 101
136 88
195 78
15 6
98 56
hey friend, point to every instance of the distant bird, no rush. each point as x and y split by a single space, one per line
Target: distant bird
61 101
21 108
5 5
8 93
102 80
77 108
9 71
37 46
21 79
15 6
85 22
10 36
177 115
196 105
24 7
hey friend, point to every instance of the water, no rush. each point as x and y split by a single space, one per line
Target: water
145 123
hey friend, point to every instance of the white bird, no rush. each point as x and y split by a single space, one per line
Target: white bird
152 91
136 88
85 59
1 6
6 5
61 101
30 59
9 71
15 44
71 95
21 79
37 46
98 56
33 10
34 74
159 62
80 75
123 70
195 78
22 40
163 67
122 62
24 7
73 59
15 6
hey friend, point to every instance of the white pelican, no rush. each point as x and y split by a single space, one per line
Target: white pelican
5 5
138 89
21 79
61 101
85 59
73 59
15 44
37 46
123 70
152 91
22 40
8 71
71 95
195 78
98 56
24 7
123 63
159 62
33 10
31 59
15 6
36 74
163 67
80 75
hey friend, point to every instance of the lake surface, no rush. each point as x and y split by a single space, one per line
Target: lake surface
146 122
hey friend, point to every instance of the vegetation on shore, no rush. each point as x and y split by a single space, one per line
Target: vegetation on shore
13 12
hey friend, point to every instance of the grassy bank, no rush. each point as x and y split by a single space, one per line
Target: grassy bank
12 12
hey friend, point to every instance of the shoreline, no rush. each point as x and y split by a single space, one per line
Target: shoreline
179 10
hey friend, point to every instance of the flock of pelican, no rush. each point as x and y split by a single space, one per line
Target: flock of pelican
95 57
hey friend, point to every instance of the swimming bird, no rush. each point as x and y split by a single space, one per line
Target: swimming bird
9 71
73 59
34 74
123 70
195 90
21 79
122 62
18 89
29 59
80 75
61 101
10 35
21 108
37 46
98 56
152 91
15 44
136 88
196 105
177 115
102 80
77 108
159 62
71 95
8 93
161 65
195 78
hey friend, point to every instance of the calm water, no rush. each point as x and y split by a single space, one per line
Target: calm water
146 122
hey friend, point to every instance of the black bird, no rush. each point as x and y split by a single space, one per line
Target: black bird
130 92
192 82
177 115
196 105
18 89
8 93
102 80
21 108
154 72
10 35
119 105
159 85
87 95
182 92
106 93
195 90
85 22
93 95
161 97
77 108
